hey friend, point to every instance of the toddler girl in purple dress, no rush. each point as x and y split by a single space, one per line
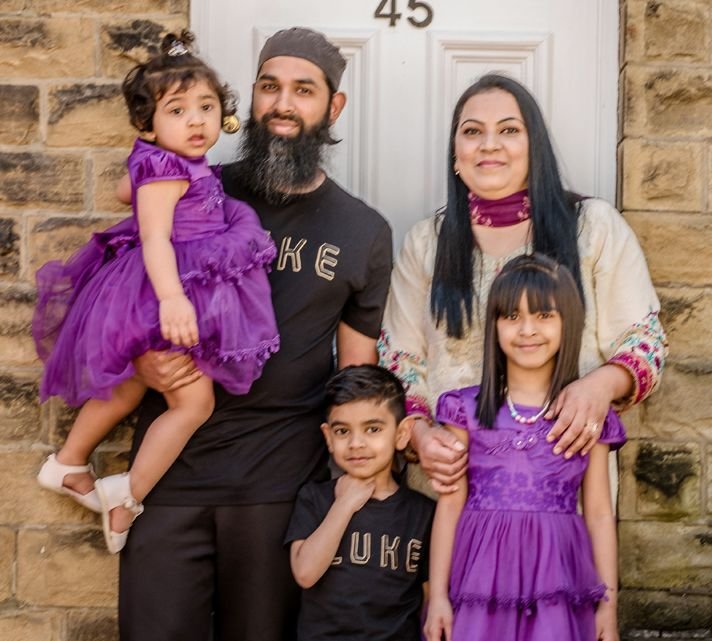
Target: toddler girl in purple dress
186 272
510 556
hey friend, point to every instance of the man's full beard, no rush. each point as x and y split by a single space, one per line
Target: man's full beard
274 167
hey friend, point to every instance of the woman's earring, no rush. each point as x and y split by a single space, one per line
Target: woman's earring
231 124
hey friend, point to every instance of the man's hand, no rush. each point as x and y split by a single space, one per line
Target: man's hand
166 371
442 456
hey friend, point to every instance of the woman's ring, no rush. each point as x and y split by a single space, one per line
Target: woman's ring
592 427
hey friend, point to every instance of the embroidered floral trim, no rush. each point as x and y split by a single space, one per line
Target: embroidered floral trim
575 598
409 369
641 350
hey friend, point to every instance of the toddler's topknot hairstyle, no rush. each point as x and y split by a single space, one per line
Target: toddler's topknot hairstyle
176 63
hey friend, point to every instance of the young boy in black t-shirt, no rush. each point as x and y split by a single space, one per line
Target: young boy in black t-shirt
359 544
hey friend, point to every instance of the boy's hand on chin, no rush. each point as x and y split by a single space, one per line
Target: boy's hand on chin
353 492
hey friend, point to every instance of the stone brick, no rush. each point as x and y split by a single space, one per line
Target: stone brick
709 482
661 479
108 168
664 556
19 113
23 502
65 568
7 562
16 306
89 115
662 235
119 438
112 6
46 47
93 625
645 610
42 181
668 101
126 44
668 31
9 247
681 410
686 314
58 238
30 626
662 176
19 409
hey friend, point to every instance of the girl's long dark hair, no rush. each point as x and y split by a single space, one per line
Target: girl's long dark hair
547 285
554 214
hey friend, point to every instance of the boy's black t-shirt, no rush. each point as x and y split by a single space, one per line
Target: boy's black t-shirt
373 591
333 264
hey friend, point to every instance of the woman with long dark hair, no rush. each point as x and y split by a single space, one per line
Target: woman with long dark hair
505 197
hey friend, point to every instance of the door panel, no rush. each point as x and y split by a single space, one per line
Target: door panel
402 82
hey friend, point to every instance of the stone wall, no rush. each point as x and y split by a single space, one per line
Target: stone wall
62 145
665 191
63 142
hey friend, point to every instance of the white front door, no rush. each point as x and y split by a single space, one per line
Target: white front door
408 61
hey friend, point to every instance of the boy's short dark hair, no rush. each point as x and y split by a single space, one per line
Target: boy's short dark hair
366 383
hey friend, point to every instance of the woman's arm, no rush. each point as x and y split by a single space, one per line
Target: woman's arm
403 350
310 558
629 337
447 514
601 525
155 204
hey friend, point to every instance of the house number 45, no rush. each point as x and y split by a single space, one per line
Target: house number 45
388 10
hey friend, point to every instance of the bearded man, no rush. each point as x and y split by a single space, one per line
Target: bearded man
211 537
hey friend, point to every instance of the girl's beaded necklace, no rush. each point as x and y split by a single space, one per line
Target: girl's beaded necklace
525 420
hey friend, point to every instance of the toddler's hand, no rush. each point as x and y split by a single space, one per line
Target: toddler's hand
353 492
439 621
178 321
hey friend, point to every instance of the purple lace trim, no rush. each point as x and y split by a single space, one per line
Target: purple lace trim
575 598
260 352
214 270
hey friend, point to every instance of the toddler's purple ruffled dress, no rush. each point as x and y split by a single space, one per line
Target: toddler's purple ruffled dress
522 566
98 311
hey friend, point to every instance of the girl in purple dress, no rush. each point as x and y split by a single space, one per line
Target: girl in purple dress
510 556
186 272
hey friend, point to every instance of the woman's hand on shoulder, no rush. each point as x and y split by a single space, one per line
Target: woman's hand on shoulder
442 455
582 406
166 371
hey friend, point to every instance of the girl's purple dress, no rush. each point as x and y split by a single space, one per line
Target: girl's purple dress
98 311
522 566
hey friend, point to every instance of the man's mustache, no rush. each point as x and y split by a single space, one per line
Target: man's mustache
276 115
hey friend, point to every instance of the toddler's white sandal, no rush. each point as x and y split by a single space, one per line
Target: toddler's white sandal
115 491
51 477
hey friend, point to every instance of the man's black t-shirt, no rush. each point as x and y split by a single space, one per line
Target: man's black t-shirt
333 264
373 590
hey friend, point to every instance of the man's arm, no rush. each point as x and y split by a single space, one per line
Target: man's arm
354 348
310 558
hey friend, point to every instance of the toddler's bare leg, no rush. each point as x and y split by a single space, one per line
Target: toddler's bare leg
188 408
93 423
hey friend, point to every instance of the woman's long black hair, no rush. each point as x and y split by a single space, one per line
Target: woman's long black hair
548 286
554 214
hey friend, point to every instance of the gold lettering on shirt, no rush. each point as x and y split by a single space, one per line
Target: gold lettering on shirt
389 552
413 555
360 557
337 560
287 252
325 258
